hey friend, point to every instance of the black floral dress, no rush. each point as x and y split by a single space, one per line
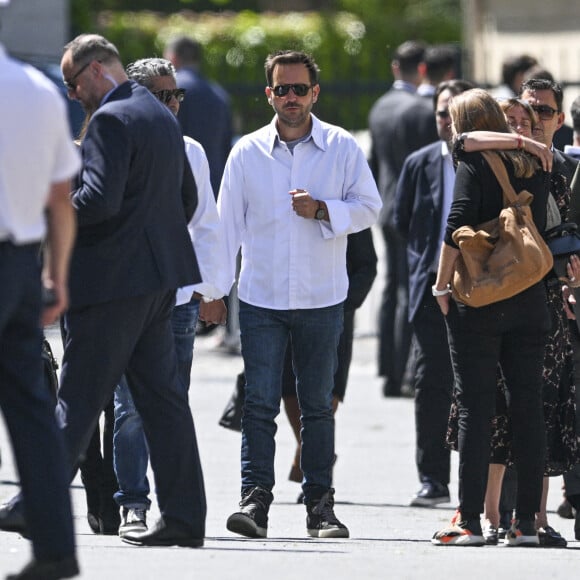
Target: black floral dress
562 450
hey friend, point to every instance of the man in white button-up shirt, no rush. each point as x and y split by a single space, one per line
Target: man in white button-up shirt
291 193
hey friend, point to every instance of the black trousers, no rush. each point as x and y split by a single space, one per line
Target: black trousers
28 406
433 388
513 333
133 336
394 327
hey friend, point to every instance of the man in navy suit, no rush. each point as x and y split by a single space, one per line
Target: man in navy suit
136 194
205 112
400 122
423 198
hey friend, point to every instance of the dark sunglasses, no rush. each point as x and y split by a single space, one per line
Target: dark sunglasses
300 90
70 84
545 112
443 113
166 95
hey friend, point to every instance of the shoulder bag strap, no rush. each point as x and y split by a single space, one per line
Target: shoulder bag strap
501 175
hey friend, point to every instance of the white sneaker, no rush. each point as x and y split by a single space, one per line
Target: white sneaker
132 520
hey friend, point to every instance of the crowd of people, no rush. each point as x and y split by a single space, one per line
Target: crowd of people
491 382
141 228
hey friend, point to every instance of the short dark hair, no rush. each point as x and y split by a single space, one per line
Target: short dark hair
409 55
545 85
454 86
88 47
575 113
440 59
143 71
515 65
291 57
538 72
188 50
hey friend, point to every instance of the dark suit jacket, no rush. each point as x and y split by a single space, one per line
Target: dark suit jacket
562 137
417 216
205 116
135 197
566 166
400 123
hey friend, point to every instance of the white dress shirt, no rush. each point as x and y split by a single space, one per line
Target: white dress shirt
204 231
33 119
289 262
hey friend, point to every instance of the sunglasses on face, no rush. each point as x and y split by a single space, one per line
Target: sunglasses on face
71 85
545 112
300 90
166 95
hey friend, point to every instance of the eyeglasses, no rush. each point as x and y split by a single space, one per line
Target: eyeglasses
71 85
443 113
300 90
166 95
545 112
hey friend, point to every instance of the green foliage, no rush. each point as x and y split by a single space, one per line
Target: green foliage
352 48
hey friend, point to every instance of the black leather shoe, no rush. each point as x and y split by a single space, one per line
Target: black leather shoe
47 570
109 520
166 532
565 510
12 518
550 538
431 493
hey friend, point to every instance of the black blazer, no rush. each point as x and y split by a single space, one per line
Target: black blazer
399 123
417 216
135 197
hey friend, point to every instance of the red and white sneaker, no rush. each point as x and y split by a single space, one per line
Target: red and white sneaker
522 533
460 532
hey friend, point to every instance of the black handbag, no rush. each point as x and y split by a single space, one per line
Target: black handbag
563 241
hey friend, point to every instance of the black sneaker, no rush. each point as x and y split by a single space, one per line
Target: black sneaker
522 533
430 494
252 520
490 533
321 521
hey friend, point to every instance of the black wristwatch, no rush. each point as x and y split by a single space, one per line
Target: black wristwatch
320 213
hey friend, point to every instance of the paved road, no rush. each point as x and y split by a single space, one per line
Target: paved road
374 478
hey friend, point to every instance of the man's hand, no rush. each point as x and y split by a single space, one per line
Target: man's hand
302 204
214 312
56 307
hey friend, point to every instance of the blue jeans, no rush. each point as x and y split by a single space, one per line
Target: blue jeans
314 335
129 444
